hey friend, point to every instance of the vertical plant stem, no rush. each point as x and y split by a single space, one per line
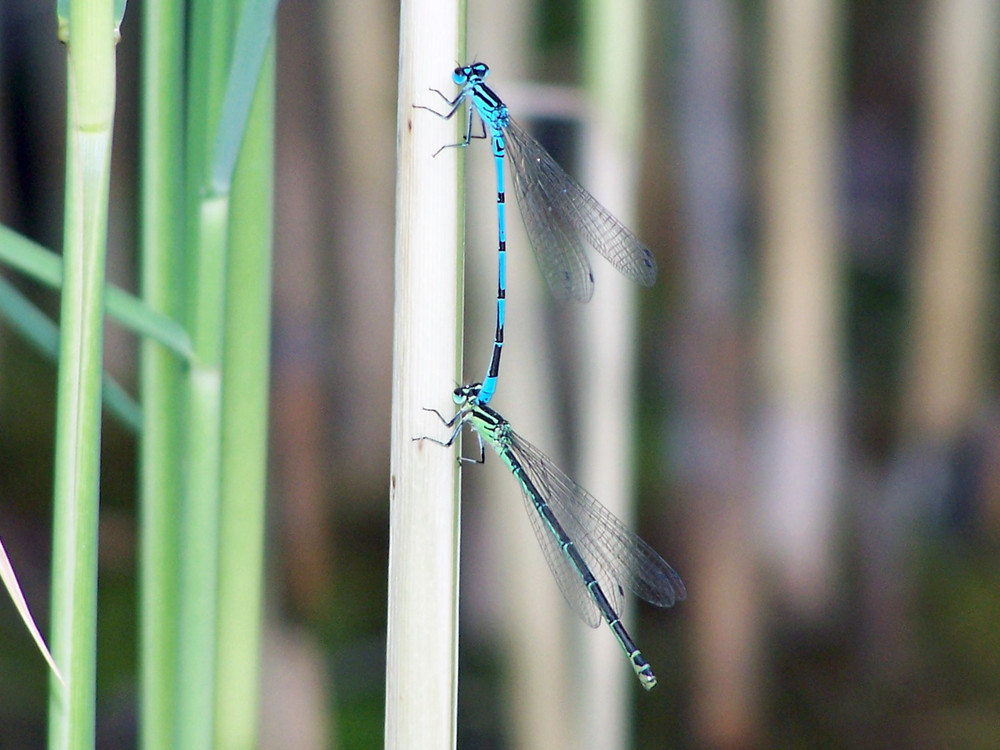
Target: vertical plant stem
422 638
200 516
90 36
162 281
244 427
207 227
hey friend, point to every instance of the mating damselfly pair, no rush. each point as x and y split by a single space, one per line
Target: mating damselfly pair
592 555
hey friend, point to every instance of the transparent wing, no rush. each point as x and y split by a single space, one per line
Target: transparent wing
497 431
618 558
570 583
560 216
558 249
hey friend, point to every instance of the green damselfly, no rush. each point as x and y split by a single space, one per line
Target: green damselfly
592 555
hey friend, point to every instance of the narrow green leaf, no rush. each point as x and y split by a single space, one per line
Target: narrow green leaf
62 16
119 13
44 266
252 36
140 318
120 403
41 332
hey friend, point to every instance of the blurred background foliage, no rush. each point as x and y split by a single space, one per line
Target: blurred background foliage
838 534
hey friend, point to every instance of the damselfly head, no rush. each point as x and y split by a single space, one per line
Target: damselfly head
474 73
466 393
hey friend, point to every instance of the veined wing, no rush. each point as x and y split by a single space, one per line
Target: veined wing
570 583
560 216
618 557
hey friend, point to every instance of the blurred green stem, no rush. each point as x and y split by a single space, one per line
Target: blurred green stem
207 219
244 428
161 373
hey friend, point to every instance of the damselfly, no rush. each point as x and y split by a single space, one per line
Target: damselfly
559 215
592 555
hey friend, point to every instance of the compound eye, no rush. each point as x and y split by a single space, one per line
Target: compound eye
481 70
460 75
